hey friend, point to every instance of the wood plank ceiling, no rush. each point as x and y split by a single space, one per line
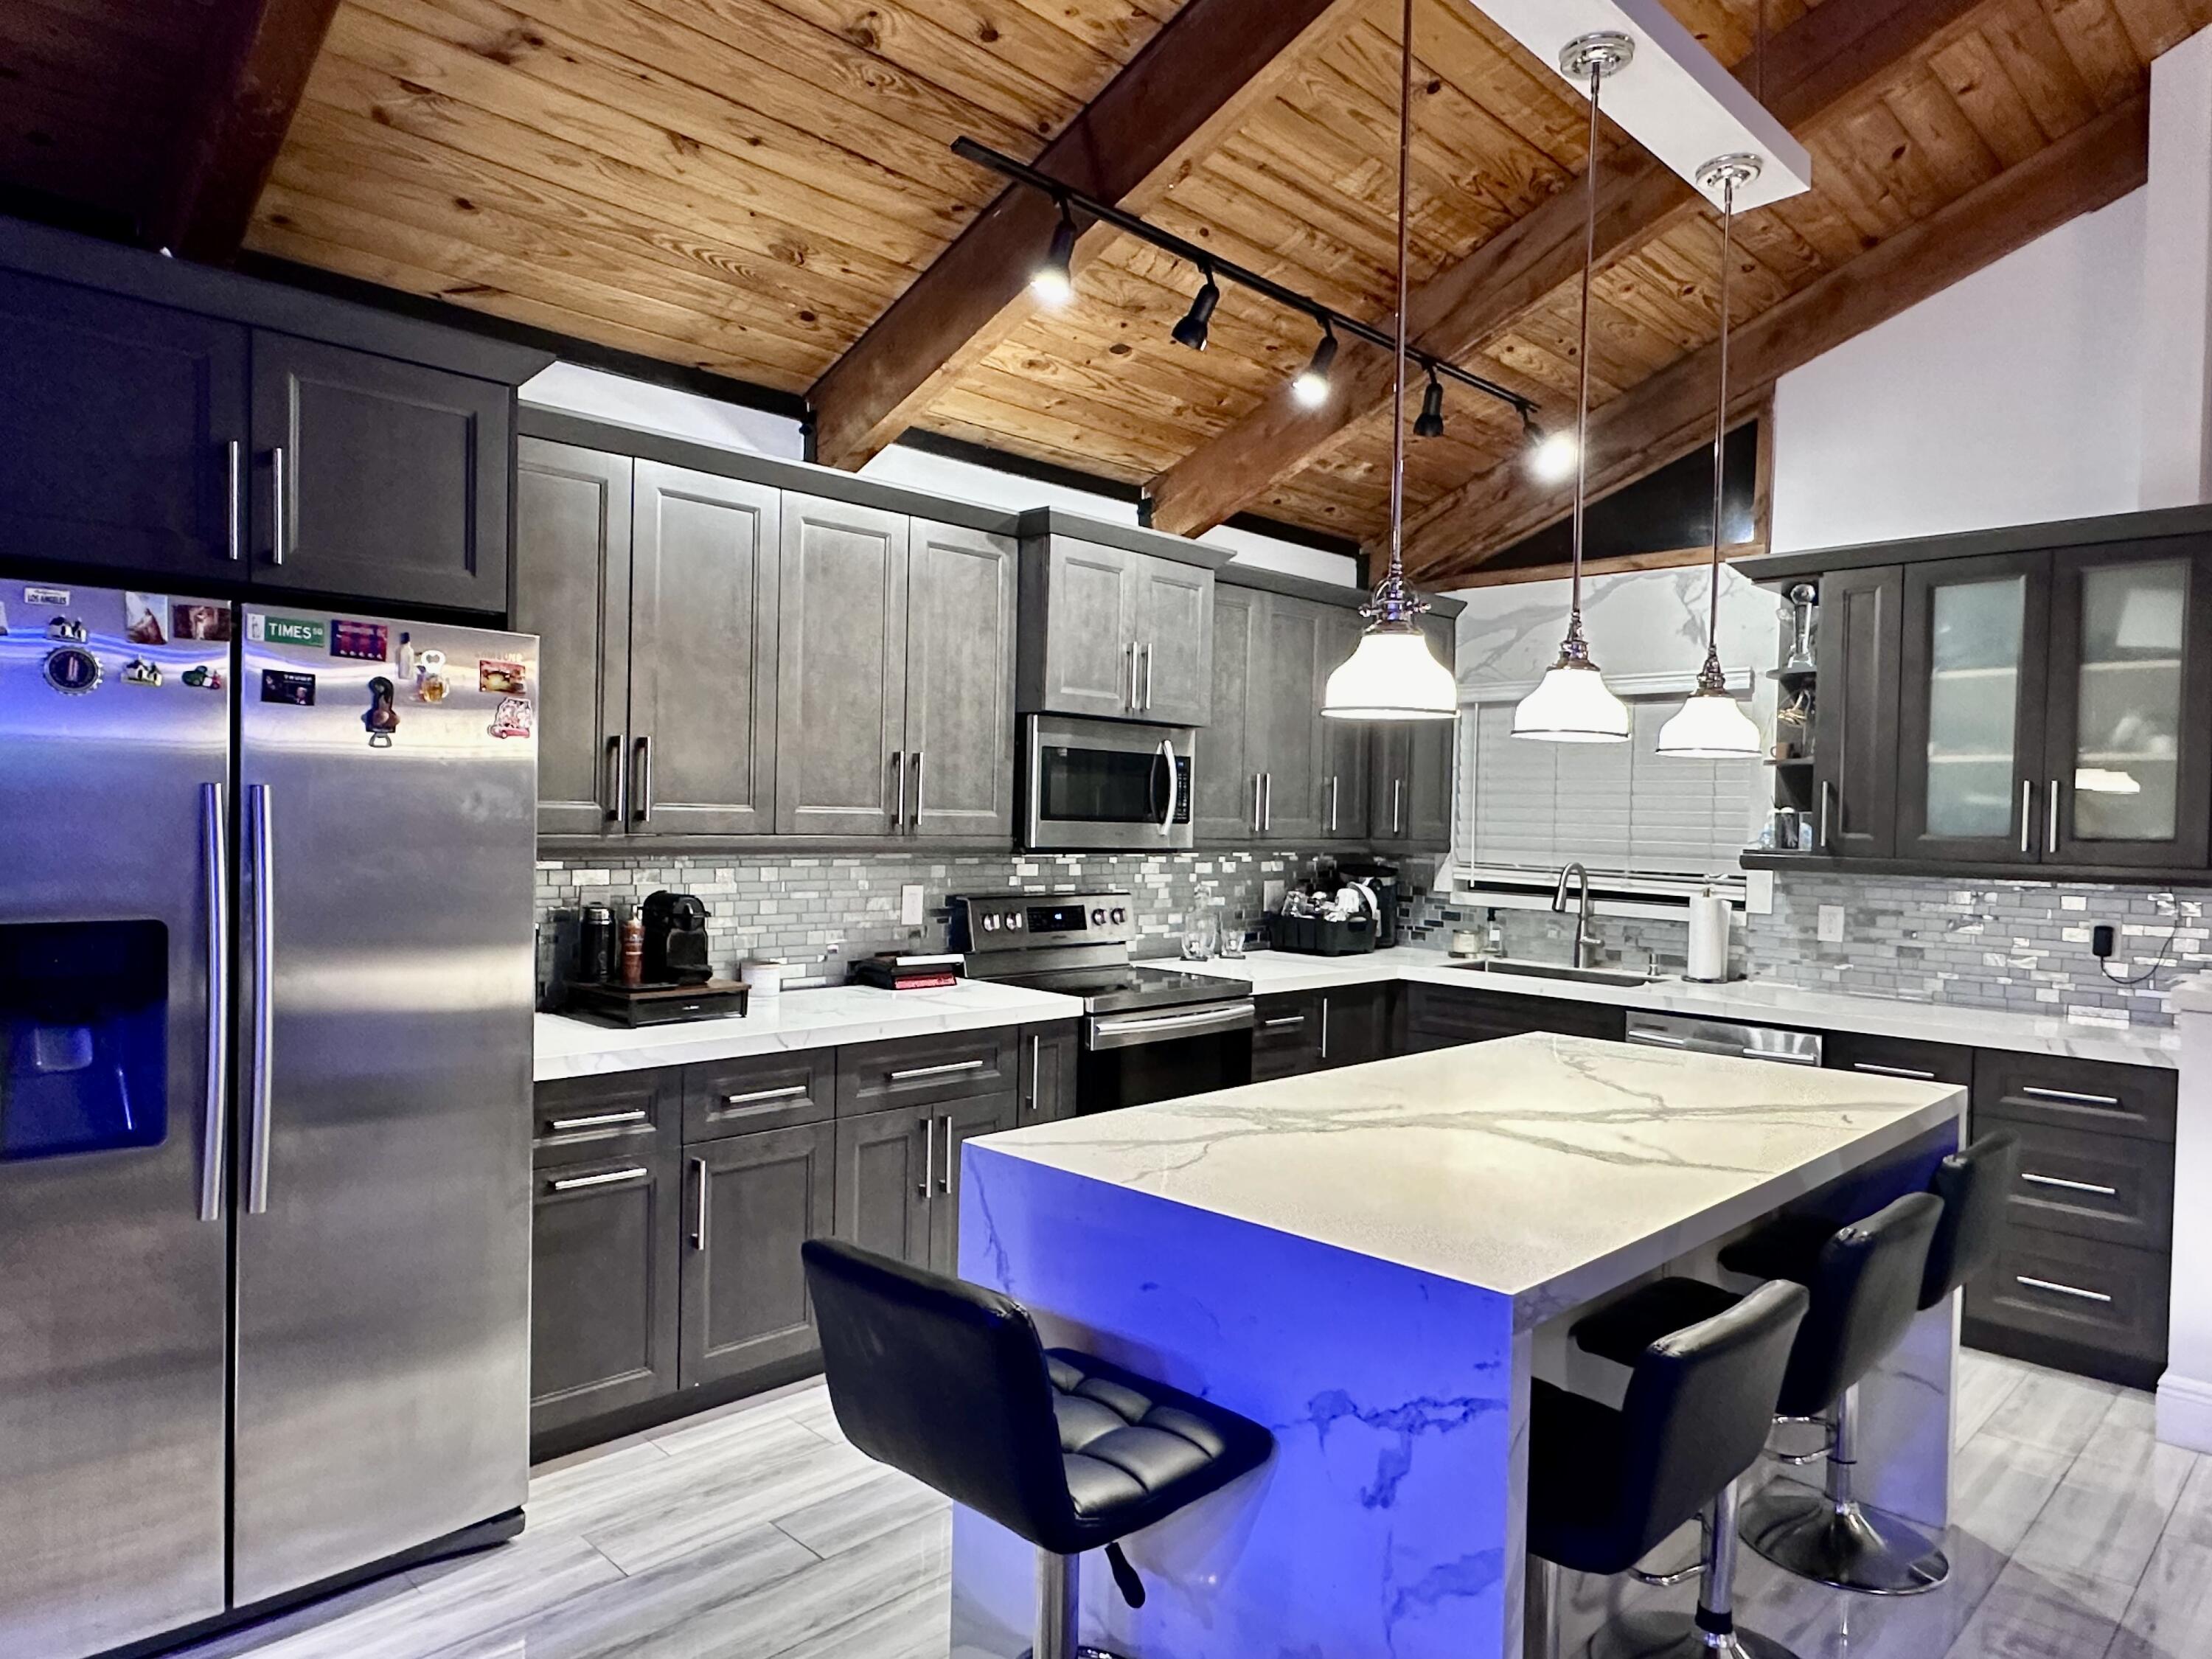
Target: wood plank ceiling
748 185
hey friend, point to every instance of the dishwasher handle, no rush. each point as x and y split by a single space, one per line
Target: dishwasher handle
1709 1036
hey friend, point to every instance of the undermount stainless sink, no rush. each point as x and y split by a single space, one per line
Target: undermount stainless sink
1556 970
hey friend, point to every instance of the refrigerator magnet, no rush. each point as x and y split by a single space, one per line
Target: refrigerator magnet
146 618
285 685
360 641
67 629
72 669
382 720
204 677
516 717
308 632
139 672
41 597
195 620
503 678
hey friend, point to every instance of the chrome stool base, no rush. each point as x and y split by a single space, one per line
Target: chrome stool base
1843 1546
1676 1636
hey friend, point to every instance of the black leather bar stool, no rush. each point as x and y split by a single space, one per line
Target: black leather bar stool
1605 1486
1828 1536
948 1381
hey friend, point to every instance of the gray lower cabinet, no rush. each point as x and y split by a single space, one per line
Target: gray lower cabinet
1442 1017
984 1115
1301 1031
378 478
755 1199
1050 1055
604 1287
886 1166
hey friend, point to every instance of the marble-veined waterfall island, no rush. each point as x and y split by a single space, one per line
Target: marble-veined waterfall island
1376 1264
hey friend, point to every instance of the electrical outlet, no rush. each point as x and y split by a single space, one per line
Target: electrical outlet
1831 924
910 905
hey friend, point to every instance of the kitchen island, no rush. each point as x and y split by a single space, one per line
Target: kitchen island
1375 1262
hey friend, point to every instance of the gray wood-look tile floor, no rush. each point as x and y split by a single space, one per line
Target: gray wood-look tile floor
756 1533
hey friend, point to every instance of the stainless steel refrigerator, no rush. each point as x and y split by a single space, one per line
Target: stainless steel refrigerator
266 987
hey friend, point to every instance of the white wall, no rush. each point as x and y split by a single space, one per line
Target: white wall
600 396
2013 396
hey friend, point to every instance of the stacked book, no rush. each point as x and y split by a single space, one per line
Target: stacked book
893 970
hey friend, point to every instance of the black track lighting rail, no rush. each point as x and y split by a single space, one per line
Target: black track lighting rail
1218 269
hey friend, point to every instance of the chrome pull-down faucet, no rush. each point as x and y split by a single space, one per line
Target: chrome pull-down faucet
1586 940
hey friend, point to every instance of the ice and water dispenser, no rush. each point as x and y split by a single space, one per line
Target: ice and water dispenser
83 1037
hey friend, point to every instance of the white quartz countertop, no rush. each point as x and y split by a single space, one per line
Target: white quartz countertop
1548 1169
1757 1001
827 1018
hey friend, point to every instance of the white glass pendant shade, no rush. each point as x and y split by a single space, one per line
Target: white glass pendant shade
1711 726
1392 675
1572 704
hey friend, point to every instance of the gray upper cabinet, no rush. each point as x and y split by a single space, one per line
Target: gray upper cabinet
1224 777
1080 600
1346 744
1282 708
960 682
378 478
1410 778
703 654
572 551
1175 641
841 673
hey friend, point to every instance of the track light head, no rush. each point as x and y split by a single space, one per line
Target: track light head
1311 386
1191 331
1430 423
1053 280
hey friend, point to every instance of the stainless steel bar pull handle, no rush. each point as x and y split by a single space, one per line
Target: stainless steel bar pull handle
214 853
2053 1285
641 758
1397 804
1036 1070
944 1169
259 833
1266 800
1828 794
2035 1180
277 527
2071 1098
1332 803
604 1178
234 499
914 817
699 1175
1910 1073
1324 1028
1287 1019
611 800
1256 803
2050 820
597 1121
2027 815
898 788
753 1098
945 1069
1147 701
1131 703
928 1156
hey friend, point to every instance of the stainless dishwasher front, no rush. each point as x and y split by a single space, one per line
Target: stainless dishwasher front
1719 1037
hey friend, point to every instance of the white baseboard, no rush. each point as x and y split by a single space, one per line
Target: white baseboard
2184 1412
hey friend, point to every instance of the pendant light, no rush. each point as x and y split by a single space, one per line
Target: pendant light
1572 703
1392 675
1712 725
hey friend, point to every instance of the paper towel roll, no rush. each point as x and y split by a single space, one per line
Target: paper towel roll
1709 936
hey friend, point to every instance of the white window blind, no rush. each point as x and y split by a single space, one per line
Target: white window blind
1610 807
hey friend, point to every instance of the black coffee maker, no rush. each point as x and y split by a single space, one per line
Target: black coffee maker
675 939
1383 878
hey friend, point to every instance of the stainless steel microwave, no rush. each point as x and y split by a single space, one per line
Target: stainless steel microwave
1104 785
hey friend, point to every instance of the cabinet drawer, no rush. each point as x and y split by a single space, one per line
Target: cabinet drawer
1286 1036
2075 1094
1905 1058
622 1114
1439 1017
874 1077
2092 1298
2115 1188
766 1091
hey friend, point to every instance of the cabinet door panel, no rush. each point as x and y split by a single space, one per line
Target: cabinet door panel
1855 756
1175 641
960 682
755 1199
1089 600
703 654
986 1114
1287 1036
119 418
1432 747
886 1169
1345 744
2129 739
1223 768
395 476
841 669
1286 719
572 551
1970 748
1050 1055
603 1288
1355 1024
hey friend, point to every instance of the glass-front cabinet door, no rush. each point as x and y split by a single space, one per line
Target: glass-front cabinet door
2130 694
1971 709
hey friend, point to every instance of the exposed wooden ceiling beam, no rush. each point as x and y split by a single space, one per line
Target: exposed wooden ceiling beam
1192 85
1815 69
1672 411
254 72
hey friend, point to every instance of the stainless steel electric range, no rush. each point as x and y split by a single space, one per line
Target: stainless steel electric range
1149 1033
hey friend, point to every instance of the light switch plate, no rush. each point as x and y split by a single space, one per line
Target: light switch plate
910 904
1831 924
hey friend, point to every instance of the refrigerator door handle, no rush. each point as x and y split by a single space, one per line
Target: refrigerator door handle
265 954
214 859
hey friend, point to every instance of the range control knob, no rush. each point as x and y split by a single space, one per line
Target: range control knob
1098 918
1121 916
1014 921
990 923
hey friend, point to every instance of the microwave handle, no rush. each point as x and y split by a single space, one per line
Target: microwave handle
1168 755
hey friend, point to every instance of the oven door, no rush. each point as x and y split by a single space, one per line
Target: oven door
1131 1060
1108 786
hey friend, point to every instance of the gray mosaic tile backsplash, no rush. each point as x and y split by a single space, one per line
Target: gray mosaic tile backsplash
823 912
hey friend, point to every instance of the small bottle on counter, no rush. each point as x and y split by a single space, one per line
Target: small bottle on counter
633 950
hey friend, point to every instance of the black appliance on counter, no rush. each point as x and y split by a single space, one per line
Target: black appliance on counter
1383 878
675 939
1149 1033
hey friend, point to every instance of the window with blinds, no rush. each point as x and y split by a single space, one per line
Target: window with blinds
1616 807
